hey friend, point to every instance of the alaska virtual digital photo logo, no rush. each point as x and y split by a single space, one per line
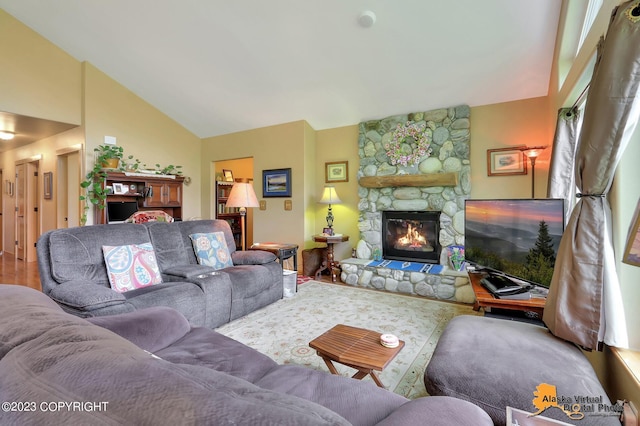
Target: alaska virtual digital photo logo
575 406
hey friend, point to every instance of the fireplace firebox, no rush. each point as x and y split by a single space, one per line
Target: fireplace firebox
411 235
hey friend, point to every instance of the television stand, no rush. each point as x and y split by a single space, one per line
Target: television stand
484 299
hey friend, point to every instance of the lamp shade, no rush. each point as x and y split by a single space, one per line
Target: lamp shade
242 195
534 151
330 196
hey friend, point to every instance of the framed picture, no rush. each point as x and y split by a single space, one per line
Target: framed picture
336 171
327 231
228 175
506 161
119 188
276 183
48 185
632 249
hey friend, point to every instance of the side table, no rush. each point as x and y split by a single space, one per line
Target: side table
282 250
330 262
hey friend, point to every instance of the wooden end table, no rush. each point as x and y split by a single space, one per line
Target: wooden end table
484 299
282 250
357 348
329 263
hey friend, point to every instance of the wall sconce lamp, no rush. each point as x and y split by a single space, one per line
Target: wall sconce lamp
242 195
6 135
330 196
533 152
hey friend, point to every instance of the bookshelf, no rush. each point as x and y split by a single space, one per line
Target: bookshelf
230 214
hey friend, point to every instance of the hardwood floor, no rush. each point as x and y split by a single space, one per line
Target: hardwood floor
14 271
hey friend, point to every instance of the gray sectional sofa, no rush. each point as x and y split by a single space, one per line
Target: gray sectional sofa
73 272
151 367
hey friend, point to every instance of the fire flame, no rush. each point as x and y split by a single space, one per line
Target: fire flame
412 238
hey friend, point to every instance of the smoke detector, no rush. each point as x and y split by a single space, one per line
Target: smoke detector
367 19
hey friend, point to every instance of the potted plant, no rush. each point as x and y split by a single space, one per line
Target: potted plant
108 157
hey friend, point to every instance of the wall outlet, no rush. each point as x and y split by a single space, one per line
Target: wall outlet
109 140
288 205
263 205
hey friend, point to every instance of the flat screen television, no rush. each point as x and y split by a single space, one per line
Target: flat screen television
119 211
518 237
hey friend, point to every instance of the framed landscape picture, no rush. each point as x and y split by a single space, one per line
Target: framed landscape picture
632 249
336 171
506 161
276 183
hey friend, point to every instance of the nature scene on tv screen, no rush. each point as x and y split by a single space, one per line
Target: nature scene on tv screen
518 237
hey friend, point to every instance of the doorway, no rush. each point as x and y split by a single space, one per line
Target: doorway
68 208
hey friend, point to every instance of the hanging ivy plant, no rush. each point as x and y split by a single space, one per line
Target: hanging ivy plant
408 134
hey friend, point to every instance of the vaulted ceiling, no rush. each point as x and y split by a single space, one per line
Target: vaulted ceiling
219 66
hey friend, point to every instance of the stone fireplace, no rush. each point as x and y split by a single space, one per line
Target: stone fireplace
436 183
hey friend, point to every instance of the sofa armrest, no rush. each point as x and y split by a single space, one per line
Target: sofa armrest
85 295
151 329
252 257
188 271
440 410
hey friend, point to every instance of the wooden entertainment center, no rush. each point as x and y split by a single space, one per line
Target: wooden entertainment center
484 299
152 192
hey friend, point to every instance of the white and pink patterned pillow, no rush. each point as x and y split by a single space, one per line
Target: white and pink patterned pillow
131 266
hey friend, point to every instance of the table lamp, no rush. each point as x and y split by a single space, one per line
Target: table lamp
330 196
242 195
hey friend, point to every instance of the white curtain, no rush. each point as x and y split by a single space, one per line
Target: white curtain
562 182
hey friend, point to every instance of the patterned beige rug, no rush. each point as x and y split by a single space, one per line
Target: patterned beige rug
284 329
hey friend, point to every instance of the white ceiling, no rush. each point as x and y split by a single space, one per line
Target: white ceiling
221 66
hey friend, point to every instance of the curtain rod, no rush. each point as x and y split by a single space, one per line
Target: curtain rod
580 97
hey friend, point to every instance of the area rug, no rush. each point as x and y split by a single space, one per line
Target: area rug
427 268
284 329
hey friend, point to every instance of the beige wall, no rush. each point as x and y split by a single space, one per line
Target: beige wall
110 109
37 78
275 147
338 144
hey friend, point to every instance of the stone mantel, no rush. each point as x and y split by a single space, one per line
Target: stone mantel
423 180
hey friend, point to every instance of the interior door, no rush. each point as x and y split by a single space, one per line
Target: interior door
27 214
21 207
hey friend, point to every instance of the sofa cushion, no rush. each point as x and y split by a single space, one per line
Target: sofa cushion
190 271
131 266
151 329
76 253
442 411
496 363
173 245
338 393
203 346
252 257
211 250
187 298
83 295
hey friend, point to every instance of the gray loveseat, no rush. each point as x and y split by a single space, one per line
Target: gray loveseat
73 272
151 367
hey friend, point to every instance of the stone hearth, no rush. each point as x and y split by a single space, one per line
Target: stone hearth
448 131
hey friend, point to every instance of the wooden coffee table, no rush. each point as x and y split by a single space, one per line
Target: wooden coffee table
356 348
